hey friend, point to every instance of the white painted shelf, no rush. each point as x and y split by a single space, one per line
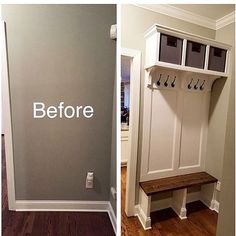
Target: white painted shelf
171 66
155 44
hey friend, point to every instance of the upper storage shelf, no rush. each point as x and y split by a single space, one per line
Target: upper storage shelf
174 49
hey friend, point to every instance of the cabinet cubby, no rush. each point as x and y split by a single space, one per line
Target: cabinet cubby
217 59
170 49
195 54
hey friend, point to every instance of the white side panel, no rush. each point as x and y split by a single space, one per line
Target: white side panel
152 49
143 212
179 203
6 111
146 129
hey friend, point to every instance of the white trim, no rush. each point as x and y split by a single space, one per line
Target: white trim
112 216
185 35
124 163
67 206
212 73
6 112
214 204
58 205
207 57
135 72
182 214
143 219
183 60
226 20
188 16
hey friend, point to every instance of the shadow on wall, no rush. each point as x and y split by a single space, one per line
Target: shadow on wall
216 91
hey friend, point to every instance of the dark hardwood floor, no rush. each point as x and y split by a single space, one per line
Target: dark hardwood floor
201 221
50 223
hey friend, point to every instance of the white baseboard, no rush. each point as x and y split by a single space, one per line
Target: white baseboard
112 216
146 221
143 219
58 205
180 211
215 206
67 206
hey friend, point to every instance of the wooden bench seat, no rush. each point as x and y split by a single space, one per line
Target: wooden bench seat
179 186
176 182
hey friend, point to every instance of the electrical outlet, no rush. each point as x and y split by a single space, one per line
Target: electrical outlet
113 32
89 180
113 192
218 185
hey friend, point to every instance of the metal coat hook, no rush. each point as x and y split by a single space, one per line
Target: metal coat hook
201 87
166 84
159 81
189 85
173 83
195 86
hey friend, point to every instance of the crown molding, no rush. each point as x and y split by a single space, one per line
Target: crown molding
190 17
226 20
180 14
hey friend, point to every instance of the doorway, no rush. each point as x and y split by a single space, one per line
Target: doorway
130 70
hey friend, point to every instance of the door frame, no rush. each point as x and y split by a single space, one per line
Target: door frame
135 72
7 119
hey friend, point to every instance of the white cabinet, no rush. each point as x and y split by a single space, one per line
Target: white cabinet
176 103
176 49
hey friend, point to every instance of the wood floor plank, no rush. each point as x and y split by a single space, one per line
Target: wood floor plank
50 223
201 220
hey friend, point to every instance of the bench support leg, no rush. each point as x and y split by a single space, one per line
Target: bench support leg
179 202
213 200
208 196
144 210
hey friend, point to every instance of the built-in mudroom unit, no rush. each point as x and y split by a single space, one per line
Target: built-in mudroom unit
180 69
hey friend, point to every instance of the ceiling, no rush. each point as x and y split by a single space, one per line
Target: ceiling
125 68
212 11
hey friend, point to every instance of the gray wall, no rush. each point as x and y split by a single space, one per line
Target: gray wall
61 53
218 115
113 152
226 219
